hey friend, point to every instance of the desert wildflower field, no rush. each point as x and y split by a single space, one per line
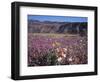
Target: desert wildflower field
56 49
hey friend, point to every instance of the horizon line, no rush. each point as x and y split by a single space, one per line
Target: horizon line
43 18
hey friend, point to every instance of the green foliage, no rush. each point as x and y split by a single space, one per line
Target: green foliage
51 58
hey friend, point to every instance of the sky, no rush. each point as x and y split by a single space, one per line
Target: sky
57 18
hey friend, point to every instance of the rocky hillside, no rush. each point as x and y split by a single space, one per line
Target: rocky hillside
35 26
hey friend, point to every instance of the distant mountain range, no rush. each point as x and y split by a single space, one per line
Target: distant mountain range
35 26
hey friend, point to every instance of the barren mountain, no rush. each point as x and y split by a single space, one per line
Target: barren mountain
35 26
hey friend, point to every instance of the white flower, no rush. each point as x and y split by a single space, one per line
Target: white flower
57 49
65 49
70 59
80 40
59 59
64 55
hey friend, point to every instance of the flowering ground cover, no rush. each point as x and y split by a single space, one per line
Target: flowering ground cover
56 49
